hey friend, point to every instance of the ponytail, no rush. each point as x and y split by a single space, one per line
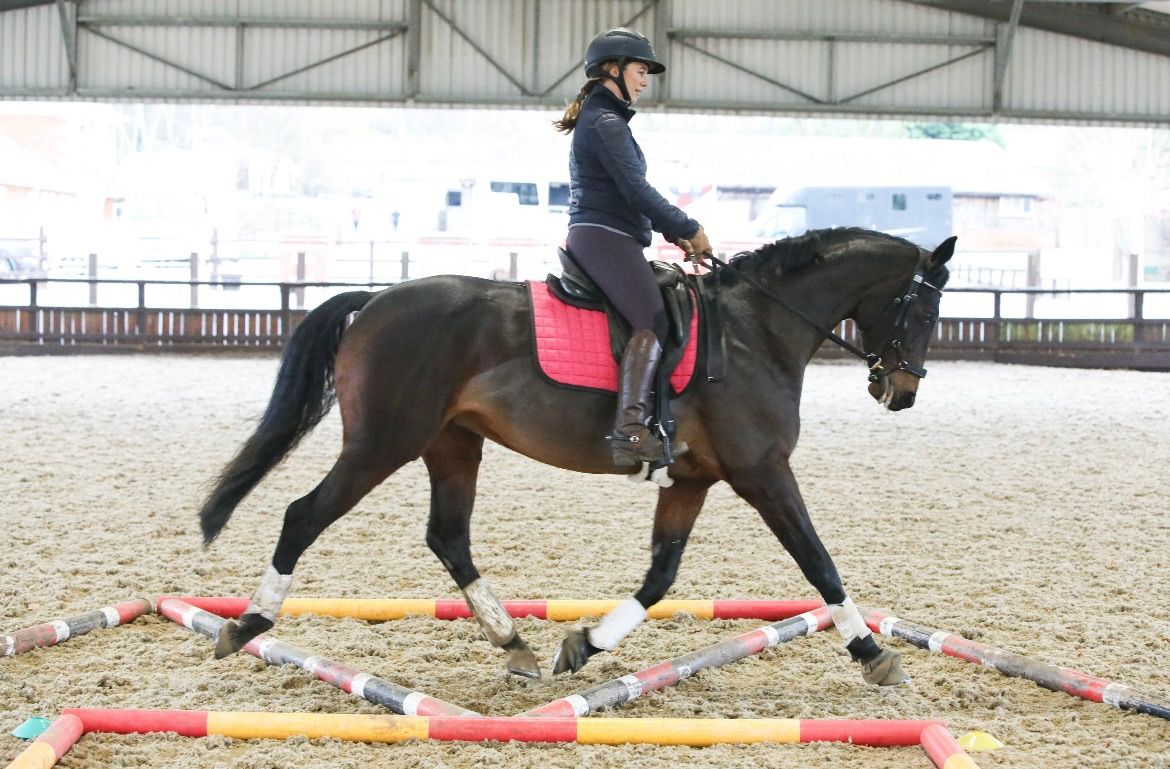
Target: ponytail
569 120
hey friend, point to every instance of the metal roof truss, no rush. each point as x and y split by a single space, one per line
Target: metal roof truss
459 36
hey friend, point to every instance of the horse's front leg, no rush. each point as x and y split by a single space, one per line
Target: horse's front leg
678 506
772 490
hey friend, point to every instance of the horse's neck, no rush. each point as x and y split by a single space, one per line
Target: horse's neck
844 282
826 293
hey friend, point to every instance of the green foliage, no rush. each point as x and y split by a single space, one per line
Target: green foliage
1065 332
956 131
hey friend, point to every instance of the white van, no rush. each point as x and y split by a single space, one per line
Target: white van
511 206
920 214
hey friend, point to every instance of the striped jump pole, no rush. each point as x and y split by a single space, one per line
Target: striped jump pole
371 688
668 673
51 633
696 732
47 749
1051 677
943 750
379 610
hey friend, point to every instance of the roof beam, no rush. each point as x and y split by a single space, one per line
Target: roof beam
69 36
1098 26
1003 54
16 5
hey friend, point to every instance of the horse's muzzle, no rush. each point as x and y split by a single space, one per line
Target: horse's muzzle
887 392
902 400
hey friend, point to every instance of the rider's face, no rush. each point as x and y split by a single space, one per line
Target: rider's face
637 77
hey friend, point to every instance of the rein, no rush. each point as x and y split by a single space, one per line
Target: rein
872 360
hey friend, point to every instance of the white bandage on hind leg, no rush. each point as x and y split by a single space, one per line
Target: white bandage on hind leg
493 618
269 597
616 625
848 620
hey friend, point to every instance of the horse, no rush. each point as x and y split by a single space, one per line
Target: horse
433 367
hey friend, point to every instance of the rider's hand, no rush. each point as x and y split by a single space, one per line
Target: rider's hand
697 246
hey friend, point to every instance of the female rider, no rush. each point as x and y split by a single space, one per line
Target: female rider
612 211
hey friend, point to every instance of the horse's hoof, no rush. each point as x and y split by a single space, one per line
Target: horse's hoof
885 669
575 651
234 635
521 660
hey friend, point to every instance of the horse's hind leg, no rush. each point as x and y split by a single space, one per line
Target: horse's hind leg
355 473
777 498
453 463
678 506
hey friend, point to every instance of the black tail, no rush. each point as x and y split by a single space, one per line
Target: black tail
302 397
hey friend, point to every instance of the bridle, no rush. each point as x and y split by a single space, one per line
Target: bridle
896 340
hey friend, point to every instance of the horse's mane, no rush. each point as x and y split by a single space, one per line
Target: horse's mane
797 252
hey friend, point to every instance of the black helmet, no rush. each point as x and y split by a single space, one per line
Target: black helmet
621 45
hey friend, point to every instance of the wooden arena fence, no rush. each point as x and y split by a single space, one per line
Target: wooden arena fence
1135 338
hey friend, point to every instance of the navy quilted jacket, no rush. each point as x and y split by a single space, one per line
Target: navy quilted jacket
607 175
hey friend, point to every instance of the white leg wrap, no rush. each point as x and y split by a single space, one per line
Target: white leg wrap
616 625
848 620
493 618
269 597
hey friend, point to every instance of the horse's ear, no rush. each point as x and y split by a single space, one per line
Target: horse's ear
943 253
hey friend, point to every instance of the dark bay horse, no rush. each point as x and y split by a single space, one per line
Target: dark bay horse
432 367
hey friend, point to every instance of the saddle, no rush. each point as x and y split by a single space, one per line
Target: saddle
576 288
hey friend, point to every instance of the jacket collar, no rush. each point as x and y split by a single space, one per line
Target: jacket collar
610 101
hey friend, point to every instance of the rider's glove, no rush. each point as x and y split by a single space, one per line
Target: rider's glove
697 246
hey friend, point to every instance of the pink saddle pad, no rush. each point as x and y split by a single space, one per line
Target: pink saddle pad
572 344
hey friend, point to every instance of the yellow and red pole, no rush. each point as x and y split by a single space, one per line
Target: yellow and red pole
566 610
47 749
697 732
944 750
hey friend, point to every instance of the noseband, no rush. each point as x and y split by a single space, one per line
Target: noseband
895 341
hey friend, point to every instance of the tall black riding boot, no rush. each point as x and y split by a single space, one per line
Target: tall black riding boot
631 439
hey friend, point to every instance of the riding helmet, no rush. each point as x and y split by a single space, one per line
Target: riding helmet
621 45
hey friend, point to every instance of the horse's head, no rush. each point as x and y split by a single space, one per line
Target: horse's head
898 330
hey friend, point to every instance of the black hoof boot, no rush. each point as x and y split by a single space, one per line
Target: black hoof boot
235 635
521 660
575 651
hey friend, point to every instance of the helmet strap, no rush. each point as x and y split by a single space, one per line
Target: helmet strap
620 79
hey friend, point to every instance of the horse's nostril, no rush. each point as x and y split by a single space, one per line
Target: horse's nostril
910 399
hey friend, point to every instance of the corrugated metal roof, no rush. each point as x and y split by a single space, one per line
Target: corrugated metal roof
31 51
843 57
